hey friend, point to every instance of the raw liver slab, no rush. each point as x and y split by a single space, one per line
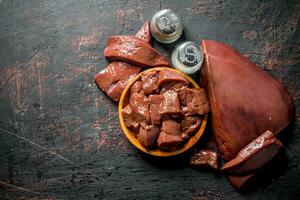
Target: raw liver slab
245 101
135 51
113 79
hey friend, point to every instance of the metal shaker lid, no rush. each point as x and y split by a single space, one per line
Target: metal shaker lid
167 21
187 57
166 26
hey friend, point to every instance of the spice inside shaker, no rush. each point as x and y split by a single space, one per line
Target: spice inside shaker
166 26
187 57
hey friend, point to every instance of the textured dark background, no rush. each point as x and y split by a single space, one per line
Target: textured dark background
59 134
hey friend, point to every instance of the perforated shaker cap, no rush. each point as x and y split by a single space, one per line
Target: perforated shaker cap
166 26
187 57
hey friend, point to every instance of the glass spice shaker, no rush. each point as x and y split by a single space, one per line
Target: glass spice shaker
187 57
166 26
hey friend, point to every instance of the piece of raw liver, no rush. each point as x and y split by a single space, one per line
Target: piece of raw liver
149 82
170 104
113 79
171 127
144 33
168 142
195 100
135 51
205 159
139 104
168 76
136 87
130 118
147 136
155 101
254 155
182 92
173 86
189 125
245 101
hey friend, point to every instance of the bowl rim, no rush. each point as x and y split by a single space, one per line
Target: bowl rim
157 152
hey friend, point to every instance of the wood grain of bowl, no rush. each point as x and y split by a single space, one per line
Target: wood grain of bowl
124 100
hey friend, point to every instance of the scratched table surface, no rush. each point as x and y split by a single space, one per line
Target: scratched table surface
59 134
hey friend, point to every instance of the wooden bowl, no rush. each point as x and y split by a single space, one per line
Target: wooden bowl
124 100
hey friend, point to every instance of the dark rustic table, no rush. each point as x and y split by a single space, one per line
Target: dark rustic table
59 134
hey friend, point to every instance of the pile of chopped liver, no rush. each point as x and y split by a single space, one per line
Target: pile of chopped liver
164 110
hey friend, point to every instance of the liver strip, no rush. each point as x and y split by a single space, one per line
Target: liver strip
113 79
167 76
255 155
135 51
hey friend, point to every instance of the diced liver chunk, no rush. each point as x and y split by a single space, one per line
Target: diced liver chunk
205 158
170 103
155 101
195 100
173 86
182 93
148 136
171 127
149 82
189 125
139 104
129 118
168 142
136 87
